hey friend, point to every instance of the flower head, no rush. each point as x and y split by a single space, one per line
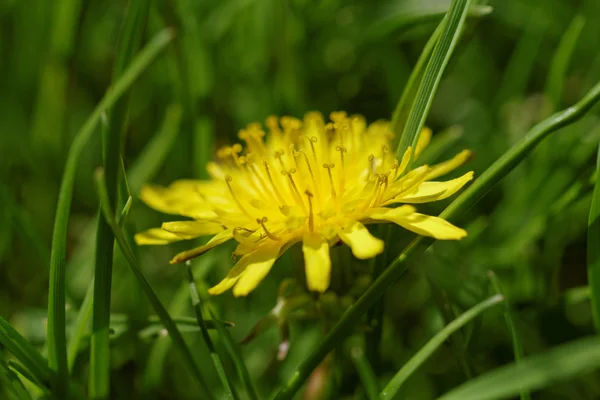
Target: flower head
309 181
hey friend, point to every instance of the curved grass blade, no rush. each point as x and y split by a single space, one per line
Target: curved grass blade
593 250
452 28
15 382
211 348
148 291
514 333
455 210
434 343
532 373
23 351
56 296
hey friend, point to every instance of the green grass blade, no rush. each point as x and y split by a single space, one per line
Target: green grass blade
56 296
561 60
25 352
129 42
455 210
80 326
452 28
234 352
213 353
365 372
15 382
514 333
532 373
432 345
593 250
25 373
410 90
148 291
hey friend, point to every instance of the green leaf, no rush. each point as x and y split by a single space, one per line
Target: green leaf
532 373
148 291
510 323
434 343
456 209
56 297
593 249
365 371
452 28
25 352
129 42
205 335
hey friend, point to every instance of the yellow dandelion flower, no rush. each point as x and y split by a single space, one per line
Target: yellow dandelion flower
310 181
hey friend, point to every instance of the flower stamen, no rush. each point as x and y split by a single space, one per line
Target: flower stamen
261 222
228 180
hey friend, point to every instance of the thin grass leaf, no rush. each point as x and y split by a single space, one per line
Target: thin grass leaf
406 14
532 373
452 28
561 60
365 372
25 373
234 352
206 336
456 209
148 291
410 90
129 42
510 323
25 353
56 296
80 326
593 249
14 381
434 343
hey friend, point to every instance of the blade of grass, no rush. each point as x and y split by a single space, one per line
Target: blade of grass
213 353
456 209
230 345
56 296
25 353
15 383
25 373
514 333
560 61
452 28
410 90
365 372
532 373
129 42
80 326
434 343
593 249
148 291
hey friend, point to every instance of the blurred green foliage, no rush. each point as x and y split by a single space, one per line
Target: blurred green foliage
238 61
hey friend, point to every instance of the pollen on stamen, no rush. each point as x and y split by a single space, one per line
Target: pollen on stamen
328 168
261 222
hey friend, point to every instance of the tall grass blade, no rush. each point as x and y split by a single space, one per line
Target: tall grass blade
129 42
452 28
433 344
56 296
593 249
206 336
514 333
410 90
148 291
532 373
455 210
